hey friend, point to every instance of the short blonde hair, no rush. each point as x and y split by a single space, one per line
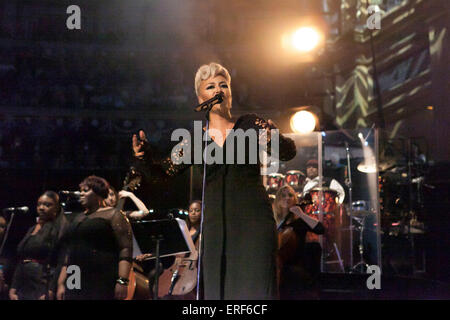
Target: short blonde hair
207 71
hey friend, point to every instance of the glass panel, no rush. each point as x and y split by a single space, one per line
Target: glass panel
351 201
337 185
293 173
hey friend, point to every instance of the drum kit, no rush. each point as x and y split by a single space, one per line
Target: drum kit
294 178
360 212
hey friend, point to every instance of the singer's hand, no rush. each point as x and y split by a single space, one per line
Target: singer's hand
138 144
272 124
265 137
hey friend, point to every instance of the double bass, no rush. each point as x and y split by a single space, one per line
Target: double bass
138 283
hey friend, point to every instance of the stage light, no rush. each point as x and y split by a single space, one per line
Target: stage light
305 39
303 122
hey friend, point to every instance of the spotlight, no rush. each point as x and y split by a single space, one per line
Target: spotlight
303 122
305 39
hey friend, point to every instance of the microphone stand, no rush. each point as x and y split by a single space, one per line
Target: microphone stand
208 109
6 233
349 184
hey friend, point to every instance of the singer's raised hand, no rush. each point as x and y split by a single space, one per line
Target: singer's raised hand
272 124
138 144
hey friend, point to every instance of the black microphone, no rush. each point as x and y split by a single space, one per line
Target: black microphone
17 209
218 98
70 193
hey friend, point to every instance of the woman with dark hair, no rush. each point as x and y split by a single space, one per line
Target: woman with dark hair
100 244
34 276
169 266
239 240
117 199
193 221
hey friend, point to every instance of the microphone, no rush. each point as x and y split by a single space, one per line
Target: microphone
218 98
70 193
16 209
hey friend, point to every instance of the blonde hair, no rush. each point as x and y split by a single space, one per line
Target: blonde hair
276 203
207 71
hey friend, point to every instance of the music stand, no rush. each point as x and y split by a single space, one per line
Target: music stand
162 238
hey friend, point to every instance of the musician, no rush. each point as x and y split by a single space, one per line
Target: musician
239 234
34 276
113 200
312 180
100 244
193 224
294 263
193 221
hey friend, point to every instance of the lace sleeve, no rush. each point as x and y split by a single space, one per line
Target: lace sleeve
286 146
122 232
155 167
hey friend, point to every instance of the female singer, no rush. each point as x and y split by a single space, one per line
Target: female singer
34 275
239 240
100 244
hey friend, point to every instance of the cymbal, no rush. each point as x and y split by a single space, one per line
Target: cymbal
322 188
382 166
360 213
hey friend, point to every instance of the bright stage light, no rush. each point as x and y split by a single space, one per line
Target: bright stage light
305 39
303 122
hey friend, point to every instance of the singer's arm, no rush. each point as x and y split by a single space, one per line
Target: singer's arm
149 162
286 146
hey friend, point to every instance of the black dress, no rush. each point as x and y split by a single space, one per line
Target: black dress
97 242
35 272
239 232
300 270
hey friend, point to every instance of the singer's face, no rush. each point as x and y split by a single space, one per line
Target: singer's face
312 172
287 198
88 198
46 208
212 86
194 213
